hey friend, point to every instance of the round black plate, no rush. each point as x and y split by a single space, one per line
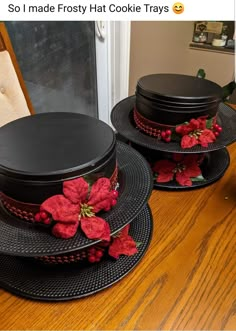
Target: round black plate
122 120
31 279
135 180
213 168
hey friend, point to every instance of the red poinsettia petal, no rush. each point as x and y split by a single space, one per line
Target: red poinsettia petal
188 142
106 233
122 246
182 179
65 231
206 137
100 196
192 171
105 204
95 228
183 129
164 169
194 124
164 178
190 159
102 184
191 166
61 209
164 166
202 122
76 190
125 231
177 157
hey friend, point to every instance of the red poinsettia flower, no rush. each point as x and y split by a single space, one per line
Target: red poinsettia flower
123 244
182 169
195 132
78 205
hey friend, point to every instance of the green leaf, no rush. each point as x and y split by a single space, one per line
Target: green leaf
198 179
209 123
175 136
138 243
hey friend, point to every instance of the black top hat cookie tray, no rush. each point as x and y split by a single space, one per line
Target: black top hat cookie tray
68 190
178 114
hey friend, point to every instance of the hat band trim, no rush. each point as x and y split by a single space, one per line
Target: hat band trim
148 126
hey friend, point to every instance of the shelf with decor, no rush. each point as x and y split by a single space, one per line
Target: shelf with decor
211 48
214 37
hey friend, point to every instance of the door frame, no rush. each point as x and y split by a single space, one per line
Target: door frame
113 60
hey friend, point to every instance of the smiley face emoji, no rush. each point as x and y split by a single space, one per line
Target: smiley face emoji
178 8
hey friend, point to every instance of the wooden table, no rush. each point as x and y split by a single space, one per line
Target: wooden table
186 280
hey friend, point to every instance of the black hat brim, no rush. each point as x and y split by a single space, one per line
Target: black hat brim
31 279
213 168
122 120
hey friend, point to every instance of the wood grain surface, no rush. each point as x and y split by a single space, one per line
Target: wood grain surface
186 280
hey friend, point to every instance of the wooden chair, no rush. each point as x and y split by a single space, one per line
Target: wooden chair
14 98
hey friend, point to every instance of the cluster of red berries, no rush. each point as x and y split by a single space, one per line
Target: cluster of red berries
92 254
166 135
114 195
42 217
217 129
95 254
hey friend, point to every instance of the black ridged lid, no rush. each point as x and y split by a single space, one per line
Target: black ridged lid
52 144
178 88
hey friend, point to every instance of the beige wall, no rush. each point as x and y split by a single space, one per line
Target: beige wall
163 47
